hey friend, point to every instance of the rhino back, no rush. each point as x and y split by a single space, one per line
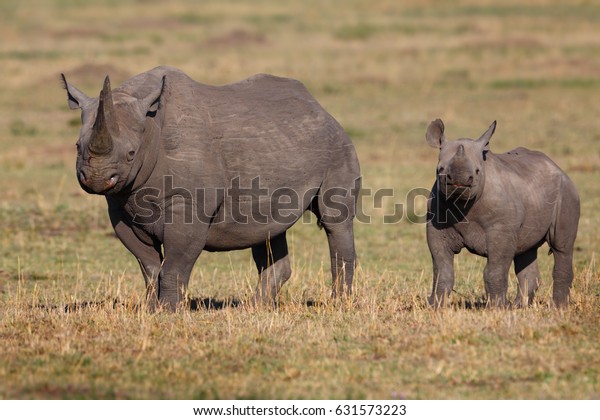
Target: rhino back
264 125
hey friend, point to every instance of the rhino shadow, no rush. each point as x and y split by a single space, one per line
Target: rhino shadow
195 304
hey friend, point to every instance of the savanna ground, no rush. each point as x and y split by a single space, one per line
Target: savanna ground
384 69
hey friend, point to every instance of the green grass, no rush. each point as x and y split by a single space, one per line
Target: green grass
69 291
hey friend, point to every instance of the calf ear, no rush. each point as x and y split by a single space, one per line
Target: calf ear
484 140
75 97
152 101
435 134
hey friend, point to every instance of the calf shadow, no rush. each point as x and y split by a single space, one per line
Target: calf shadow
475 304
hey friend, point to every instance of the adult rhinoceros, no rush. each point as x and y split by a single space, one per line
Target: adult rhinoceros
503 207
187 167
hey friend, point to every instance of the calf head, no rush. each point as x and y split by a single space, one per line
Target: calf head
111 136
460 170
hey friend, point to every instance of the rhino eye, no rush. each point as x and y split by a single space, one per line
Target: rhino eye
477 171
131 154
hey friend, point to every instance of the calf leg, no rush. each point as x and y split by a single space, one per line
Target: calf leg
528 273
495 277
501 251
273 265
442 246
443 278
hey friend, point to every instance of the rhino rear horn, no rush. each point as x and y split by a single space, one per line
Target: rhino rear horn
105 127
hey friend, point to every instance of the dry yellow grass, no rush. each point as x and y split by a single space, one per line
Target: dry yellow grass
384 69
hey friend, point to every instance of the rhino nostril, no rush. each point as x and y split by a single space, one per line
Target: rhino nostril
470 180
82 176
449 177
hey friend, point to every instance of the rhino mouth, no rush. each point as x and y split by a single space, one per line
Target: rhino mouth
101 186
458 191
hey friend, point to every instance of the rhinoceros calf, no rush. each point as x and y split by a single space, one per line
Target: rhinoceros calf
187 167
502 207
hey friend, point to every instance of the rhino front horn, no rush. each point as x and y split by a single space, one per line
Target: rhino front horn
105 126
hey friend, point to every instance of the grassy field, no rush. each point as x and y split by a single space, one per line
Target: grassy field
69 326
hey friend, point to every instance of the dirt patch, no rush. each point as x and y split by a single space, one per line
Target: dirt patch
511 41
584 168
236 38
86 76
94 74
78 32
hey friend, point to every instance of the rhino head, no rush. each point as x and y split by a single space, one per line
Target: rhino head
111 137
460 170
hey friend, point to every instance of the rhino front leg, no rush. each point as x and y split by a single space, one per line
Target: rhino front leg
495 277
528 273
149 256
183 243
501 245
175 275
180 256
443 244
443 278
273 265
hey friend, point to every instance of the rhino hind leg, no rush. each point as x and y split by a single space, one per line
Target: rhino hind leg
562 275
273 265
562 240
343 258
340 237
528 274
336 216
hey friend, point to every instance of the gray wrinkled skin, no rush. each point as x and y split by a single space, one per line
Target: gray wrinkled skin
502 207
162 123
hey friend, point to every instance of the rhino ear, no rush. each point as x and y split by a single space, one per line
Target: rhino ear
435 134
75 98
151 102
484 140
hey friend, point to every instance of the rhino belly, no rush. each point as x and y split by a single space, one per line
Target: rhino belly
244 221
229 236
534 233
